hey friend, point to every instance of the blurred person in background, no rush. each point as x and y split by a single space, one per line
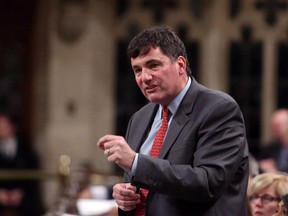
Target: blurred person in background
274 156
282 207
18 197
265 191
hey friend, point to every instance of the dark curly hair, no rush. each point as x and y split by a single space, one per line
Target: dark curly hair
159 36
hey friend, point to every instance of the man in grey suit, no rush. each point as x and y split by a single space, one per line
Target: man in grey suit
202 168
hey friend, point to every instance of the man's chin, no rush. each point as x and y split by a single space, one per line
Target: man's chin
154 100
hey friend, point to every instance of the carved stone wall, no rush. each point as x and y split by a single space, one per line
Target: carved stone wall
82 74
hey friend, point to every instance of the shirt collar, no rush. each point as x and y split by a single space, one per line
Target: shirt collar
173 106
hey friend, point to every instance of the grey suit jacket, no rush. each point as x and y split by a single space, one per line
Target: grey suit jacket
202 169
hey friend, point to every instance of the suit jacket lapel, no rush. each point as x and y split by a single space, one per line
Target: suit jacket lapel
175 128
142 131
181 118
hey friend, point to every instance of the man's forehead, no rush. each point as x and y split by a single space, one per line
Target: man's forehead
152 53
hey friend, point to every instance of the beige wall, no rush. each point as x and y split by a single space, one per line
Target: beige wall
75 82
74 99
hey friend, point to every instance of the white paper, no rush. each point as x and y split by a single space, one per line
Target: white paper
90 207
66 214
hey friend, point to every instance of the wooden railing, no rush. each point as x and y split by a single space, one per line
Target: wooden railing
70 182
26 174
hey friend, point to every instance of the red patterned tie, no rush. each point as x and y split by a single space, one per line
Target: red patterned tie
155 151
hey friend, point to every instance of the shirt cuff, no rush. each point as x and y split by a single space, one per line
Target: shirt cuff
134 165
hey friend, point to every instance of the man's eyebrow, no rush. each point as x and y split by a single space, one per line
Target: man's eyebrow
152 61
135 67
147 63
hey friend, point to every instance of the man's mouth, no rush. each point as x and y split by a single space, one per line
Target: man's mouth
151 88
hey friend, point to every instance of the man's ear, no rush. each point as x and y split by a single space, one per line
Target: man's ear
181 61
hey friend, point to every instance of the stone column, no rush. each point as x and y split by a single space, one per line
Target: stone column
79 86
268 97
214 54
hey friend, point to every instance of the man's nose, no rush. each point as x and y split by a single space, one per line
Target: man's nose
146 75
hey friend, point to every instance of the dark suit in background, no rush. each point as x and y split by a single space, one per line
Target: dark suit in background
274 156
16 154
31 204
